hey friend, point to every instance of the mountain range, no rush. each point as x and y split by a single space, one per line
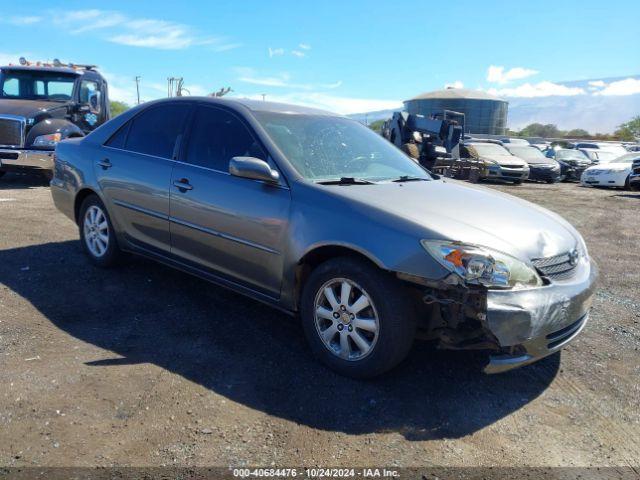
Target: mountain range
596 105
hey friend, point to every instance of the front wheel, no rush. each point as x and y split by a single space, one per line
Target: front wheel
96 233
358 320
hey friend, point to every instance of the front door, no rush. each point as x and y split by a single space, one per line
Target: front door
134 173
233 226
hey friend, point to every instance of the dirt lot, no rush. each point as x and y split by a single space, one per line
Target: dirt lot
144 365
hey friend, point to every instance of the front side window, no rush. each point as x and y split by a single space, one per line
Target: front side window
155 130
322 147
36 85
216 137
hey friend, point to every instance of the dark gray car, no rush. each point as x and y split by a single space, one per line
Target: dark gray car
317 215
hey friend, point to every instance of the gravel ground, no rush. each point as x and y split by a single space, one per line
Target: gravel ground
146 366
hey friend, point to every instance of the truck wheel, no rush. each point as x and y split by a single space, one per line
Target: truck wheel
411 149
358 320
96 233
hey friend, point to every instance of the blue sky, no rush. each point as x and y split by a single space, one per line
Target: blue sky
347 56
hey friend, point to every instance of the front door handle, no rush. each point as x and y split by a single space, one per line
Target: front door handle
183 185
105 164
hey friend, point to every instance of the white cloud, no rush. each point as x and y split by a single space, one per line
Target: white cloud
304 46
541 89
628 86
225 47
597 83
496 74
137 32
275 52
332 85
23 20
456 84
298 53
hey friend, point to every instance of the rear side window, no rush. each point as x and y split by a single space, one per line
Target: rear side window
217 136
155 131
119 138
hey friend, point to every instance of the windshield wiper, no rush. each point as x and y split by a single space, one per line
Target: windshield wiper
346 181
407 178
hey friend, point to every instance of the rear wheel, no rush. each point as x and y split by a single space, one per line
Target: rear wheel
358 320
96 233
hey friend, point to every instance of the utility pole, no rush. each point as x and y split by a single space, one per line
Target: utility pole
138 89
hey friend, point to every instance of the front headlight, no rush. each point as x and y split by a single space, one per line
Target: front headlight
478 265
49 140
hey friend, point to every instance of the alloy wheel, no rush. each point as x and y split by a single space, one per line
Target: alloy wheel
96 231
346 319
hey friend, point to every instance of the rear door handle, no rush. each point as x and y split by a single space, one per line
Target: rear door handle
105 164
183 185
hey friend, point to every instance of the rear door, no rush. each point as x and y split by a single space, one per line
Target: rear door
233 226
134 173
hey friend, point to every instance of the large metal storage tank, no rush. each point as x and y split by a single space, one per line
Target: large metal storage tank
484 113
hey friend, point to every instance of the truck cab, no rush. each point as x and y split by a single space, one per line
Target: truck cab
42 104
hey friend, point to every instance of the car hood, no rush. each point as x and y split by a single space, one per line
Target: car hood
504 159
27 108
470 214
610 166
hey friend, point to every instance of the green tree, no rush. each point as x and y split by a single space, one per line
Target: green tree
118 107
577 133
539 130
376 126
630 130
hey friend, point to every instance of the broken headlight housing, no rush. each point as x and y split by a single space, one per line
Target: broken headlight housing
478 265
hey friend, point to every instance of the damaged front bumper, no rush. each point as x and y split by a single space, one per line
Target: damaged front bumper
534 323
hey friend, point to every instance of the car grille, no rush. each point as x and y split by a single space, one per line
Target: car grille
11 132
511 174
558 267
565 334
512 166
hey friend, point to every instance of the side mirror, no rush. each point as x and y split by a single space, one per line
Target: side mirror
94 102
253 168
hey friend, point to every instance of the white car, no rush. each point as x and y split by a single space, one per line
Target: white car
614 173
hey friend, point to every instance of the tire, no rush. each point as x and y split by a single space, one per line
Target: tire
2 172
389 338
517 182
412 150
627 185
102 253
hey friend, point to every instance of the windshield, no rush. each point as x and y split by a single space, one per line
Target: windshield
530 154
571 155
601 156
36 85
626 158
329 148
489 149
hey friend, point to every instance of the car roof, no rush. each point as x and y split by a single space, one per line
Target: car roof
253 105
31 68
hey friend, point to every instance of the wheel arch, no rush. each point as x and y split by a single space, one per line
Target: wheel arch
319 254
80 197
